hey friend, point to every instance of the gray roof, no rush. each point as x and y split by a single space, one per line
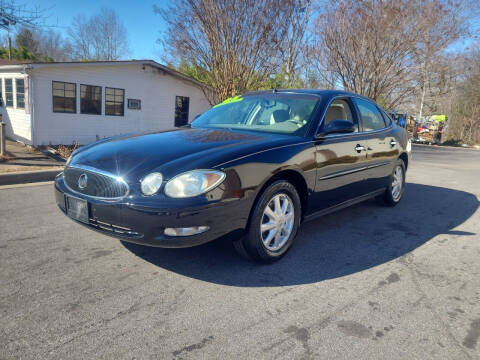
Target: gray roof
36 65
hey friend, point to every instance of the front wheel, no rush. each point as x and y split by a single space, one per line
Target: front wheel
273 224
396 187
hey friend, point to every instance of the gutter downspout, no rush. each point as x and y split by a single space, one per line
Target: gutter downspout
31 102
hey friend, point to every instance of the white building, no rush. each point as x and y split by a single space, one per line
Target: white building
60 103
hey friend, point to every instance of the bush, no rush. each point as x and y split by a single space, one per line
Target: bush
453 142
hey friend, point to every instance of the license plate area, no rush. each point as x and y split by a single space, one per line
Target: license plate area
77 208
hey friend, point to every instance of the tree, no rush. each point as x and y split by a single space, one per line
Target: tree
100 37
392 51
238 43
464 110
52 45
439 24
12 14
44 45
27 39
294 44
365 46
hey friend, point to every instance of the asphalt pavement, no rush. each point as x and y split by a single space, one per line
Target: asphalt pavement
368 282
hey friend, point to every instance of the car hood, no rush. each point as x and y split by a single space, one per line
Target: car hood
173 151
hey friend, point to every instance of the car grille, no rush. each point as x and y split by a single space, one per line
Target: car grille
98 184
115 229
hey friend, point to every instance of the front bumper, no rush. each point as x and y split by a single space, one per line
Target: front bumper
142 220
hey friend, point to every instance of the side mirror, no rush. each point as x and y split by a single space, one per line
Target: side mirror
336 127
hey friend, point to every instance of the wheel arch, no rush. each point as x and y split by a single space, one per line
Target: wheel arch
292 176
404 157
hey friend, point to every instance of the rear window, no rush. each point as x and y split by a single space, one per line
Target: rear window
371 117
387 118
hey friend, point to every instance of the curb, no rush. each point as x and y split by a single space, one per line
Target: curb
22 177
445 147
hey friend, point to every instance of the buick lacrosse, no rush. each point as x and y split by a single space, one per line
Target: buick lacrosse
251 169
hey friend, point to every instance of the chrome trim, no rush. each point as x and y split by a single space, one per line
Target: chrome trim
360 132
345 172
82 181
379 164
101 172
351 171
112 229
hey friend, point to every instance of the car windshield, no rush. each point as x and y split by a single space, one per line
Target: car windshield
273 113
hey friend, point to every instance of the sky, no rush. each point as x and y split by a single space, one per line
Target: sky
143 26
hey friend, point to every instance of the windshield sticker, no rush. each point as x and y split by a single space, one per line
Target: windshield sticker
230 100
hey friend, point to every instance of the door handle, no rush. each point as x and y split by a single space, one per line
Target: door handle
359 148
393 143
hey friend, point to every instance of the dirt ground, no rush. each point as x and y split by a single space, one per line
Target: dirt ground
25 158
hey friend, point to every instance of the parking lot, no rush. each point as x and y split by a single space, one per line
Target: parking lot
366 282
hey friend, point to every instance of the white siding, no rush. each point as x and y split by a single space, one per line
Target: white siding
18 121
154 88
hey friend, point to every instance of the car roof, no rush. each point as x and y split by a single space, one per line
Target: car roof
320 92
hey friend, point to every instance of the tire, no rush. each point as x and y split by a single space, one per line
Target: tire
393 194
280 224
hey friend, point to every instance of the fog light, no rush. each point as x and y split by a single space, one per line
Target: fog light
186 231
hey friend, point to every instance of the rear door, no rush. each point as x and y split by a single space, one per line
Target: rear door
382 150
340 159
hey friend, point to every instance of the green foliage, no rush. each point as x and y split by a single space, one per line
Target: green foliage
194 71
21 53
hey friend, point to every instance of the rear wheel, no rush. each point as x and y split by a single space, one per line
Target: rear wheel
273 223
394 192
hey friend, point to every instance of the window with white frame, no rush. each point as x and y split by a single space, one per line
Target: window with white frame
20 87
8 93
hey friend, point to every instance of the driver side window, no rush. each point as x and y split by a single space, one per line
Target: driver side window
339 110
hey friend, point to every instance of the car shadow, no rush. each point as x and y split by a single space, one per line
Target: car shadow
339 244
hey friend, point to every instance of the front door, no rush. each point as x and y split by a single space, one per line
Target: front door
340 160
182 104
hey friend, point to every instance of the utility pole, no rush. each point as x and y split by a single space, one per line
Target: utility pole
5 22
9 45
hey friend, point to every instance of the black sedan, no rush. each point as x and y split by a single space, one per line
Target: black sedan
251 169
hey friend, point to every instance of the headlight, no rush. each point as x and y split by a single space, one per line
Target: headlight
193 183
68 160
151 183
